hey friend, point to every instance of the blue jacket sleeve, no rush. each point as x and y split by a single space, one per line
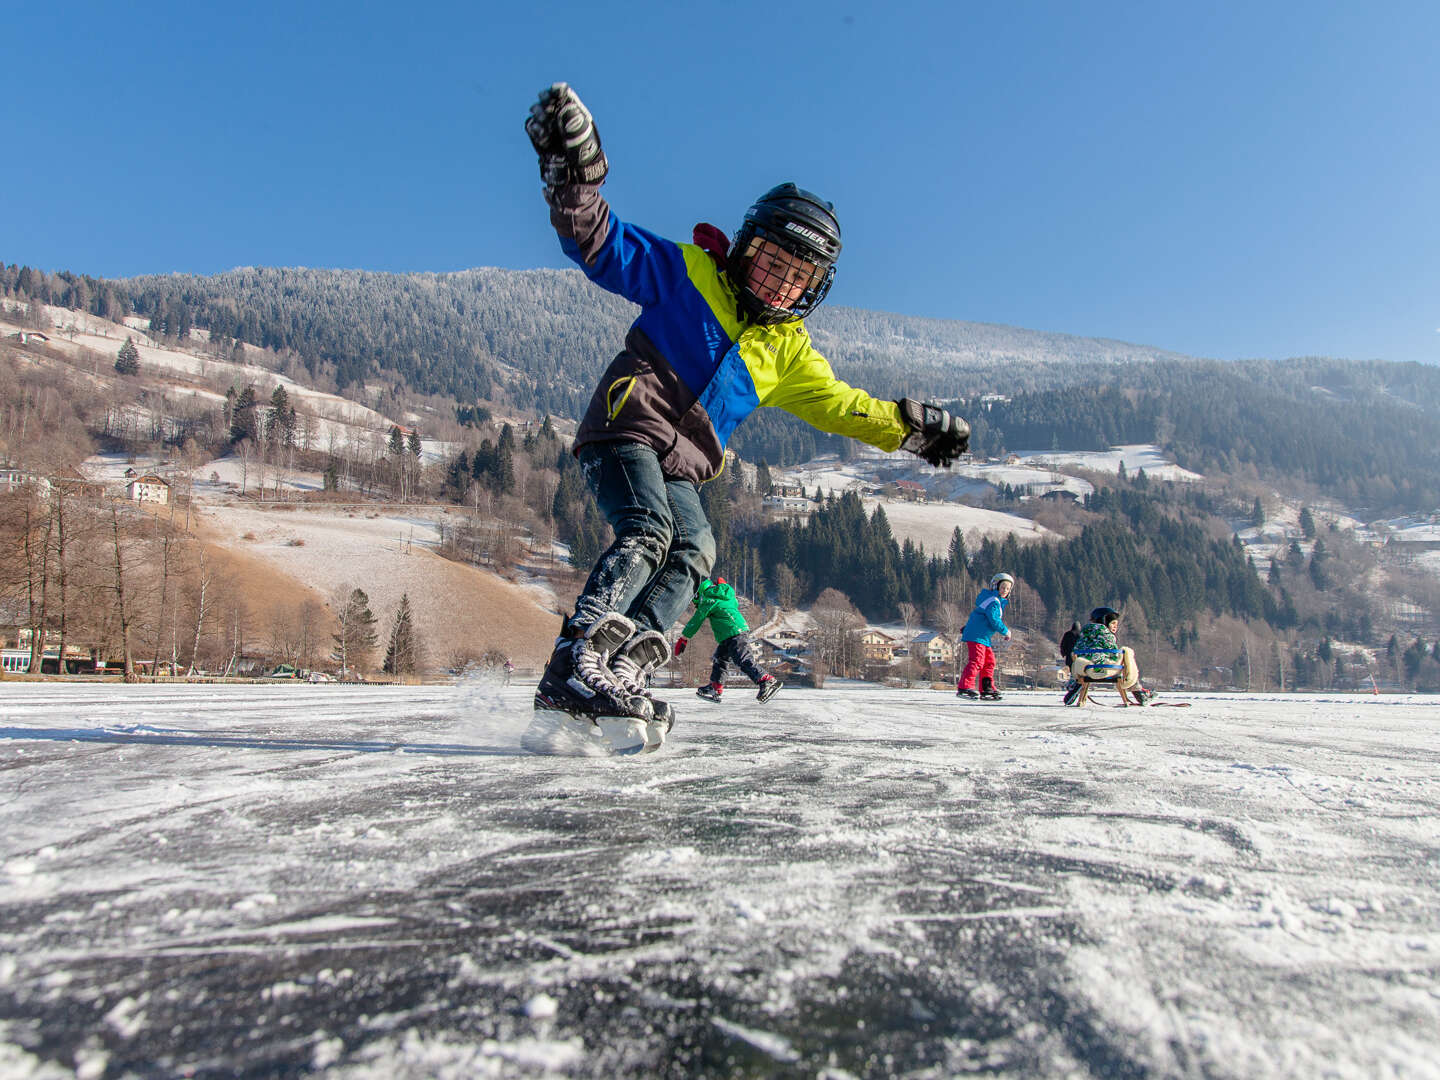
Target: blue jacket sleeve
995 611
625 259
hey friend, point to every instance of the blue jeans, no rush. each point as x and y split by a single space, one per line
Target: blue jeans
663 544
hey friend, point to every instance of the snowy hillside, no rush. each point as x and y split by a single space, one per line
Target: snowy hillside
385 550
950 492
376 882
193 373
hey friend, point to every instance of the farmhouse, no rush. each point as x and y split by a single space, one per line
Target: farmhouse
932 647
878 646
148 489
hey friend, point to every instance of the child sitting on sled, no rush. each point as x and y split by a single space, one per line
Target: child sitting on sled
715 600
1097 656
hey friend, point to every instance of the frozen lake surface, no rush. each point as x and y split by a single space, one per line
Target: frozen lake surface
854 882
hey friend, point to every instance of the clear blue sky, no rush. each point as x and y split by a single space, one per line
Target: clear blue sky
1236 179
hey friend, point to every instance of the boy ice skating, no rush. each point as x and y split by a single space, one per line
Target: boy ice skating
1099 657
985 621
715 601
719 334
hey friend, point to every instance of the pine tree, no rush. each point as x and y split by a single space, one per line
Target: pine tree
282 417
244 420
356 636
396 445
1320 573
957 559
127 362
402 654
1307 523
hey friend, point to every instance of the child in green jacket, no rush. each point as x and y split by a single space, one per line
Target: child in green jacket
715 600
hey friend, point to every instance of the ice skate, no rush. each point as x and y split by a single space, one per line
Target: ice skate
966 692
632 665
769 687
578 685
710 692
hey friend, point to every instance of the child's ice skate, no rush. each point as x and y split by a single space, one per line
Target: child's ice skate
710 692
769 687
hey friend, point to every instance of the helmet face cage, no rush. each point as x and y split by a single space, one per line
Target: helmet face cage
788 243
785 265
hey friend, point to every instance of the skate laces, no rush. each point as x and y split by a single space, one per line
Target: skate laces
629 674
588 665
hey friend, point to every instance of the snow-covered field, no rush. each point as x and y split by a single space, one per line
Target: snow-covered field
376 882
1134 457
930 523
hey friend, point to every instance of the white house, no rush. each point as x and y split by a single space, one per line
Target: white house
148 488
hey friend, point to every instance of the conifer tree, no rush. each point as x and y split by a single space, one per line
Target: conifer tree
127 362
244 419
282 417
356 635
1307 523
402 654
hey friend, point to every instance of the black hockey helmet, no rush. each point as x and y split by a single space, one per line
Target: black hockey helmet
1104 615
804 227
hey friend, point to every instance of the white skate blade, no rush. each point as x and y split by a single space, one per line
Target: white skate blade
655 733
554 732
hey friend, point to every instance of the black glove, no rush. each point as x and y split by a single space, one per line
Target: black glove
935 435
563 133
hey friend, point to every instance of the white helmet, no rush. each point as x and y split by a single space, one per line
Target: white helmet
998 578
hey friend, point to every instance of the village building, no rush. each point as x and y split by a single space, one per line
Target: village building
932 647
148 489
911 490
789 504
11 479
877 646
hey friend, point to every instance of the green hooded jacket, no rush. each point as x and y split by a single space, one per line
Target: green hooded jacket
715 600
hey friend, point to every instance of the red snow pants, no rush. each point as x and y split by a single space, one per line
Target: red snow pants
981 666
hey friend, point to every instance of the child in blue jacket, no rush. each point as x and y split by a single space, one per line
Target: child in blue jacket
986 620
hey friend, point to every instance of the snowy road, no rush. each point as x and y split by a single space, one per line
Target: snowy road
856 882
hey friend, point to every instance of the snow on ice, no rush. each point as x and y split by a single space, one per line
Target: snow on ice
377 882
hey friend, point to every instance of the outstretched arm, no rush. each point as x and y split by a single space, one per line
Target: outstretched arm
625 259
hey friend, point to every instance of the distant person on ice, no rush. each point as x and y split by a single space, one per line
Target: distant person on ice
720 332
715 601
987 620
1098 656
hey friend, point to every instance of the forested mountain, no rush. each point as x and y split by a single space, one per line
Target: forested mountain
1367 434
540 336
536 341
